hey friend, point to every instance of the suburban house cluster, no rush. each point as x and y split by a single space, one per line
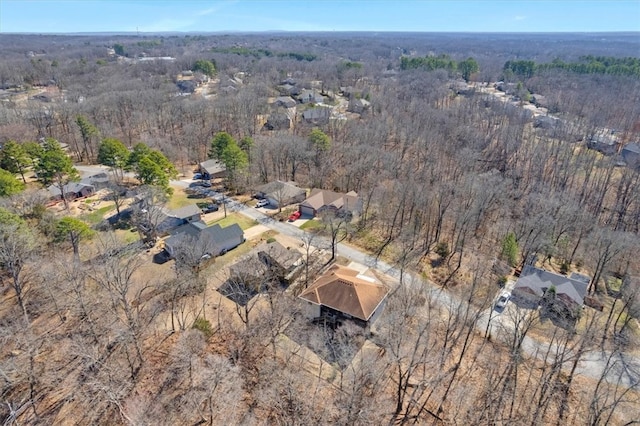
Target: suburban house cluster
309 103
187 231
280 194
610 142
86 187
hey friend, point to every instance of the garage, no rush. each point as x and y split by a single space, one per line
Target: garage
307 211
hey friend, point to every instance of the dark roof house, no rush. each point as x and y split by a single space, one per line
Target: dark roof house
534 283
605 141
631 154
214 240
268 262
72 190
212 169
359 105
343 292
288 89
310 97
279 121
285 101
317 115
99 180
175 218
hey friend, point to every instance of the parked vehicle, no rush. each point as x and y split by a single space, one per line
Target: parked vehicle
206 184
262 203
294 216
197 176
502 300
210 208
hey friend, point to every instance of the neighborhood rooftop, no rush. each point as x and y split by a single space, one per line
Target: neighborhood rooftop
344 290
324 198
538 281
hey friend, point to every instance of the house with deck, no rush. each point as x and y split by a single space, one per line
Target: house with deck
344 294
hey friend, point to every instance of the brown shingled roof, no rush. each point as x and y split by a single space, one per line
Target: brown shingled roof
342 289
319 198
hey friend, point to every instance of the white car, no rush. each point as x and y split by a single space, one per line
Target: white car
262 203
502 300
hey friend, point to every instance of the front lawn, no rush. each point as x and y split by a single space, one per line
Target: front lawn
311 224
179 199
242 220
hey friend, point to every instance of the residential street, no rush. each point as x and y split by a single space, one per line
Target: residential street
623 367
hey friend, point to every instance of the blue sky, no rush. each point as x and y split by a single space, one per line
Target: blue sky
61 16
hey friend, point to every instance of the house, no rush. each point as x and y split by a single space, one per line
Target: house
318 115
175 218
290 81
358 105
631 154
540 101
461 87
278 121
72 190
604 140
213 240
280 194
85 187
212 169
98 180
285 101
187 214
342 293
320 200
310 97
268 262
535 283
546 122
288 89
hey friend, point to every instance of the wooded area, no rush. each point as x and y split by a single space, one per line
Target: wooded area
473 156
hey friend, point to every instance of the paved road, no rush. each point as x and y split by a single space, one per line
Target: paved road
623 367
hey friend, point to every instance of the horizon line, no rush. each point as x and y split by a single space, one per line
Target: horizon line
135 32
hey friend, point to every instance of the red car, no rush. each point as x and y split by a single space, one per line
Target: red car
294 216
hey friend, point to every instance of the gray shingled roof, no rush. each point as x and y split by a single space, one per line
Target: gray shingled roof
215 233
185 212
537 281
280 190
631 147
212 167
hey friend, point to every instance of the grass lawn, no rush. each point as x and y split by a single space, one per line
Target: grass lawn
97 216
126 236
243 221
311 224
179 199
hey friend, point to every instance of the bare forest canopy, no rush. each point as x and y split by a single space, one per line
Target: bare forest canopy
464 179
586 65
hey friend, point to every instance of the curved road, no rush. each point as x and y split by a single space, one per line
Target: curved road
622 368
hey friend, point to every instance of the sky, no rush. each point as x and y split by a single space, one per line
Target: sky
69 16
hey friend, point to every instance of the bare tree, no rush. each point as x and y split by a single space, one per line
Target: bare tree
17 244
